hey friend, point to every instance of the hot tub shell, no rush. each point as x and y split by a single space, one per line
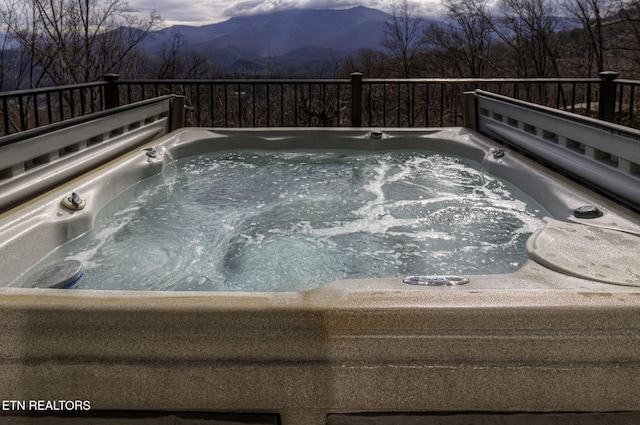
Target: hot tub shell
543 339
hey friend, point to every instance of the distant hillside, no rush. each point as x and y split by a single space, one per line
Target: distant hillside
285 36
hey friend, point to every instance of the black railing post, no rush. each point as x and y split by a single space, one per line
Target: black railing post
111 93
470 110
176 113
356 99
607 101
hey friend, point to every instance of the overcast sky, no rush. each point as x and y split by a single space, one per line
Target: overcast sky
201 12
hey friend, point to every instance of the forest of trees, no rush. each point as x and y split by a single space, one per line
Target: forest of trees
59 42
514 38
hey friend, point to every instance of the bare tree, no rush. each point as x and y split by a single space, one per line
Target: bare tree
593 16
627 32
19 68
78 41
402 35
464 41
5 16
372 63
529 29
533 24
169 57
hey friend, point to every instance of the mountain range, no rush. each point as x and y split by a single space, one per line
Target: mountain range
291 37
293 42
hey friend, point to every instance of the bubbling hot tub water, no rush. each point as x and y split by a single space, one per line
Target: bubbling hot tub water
291 221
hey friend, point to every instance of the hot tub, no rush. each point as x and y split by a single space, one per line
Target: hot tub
522 341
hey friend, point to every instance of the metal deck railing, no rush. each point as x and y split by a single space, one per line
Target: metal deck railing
351 102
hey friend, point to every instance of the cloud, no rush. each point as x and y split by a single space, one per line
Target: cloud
201 12
193 12
253 7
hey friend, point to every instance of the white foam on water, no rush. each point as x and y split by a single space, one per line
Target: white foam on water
289 221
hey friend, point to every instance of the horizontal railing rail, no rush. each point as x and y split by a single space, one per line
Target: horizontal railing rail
349 102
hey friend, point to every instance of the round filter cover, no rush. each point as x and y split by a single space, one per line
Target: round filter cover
63 275
588 252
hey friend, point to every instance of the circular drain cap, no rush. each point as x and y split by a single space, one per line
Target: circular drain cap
436 280
62 275
587 211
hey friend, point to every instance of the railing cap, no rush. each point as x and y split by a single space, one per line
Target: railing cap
608 75
111 78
